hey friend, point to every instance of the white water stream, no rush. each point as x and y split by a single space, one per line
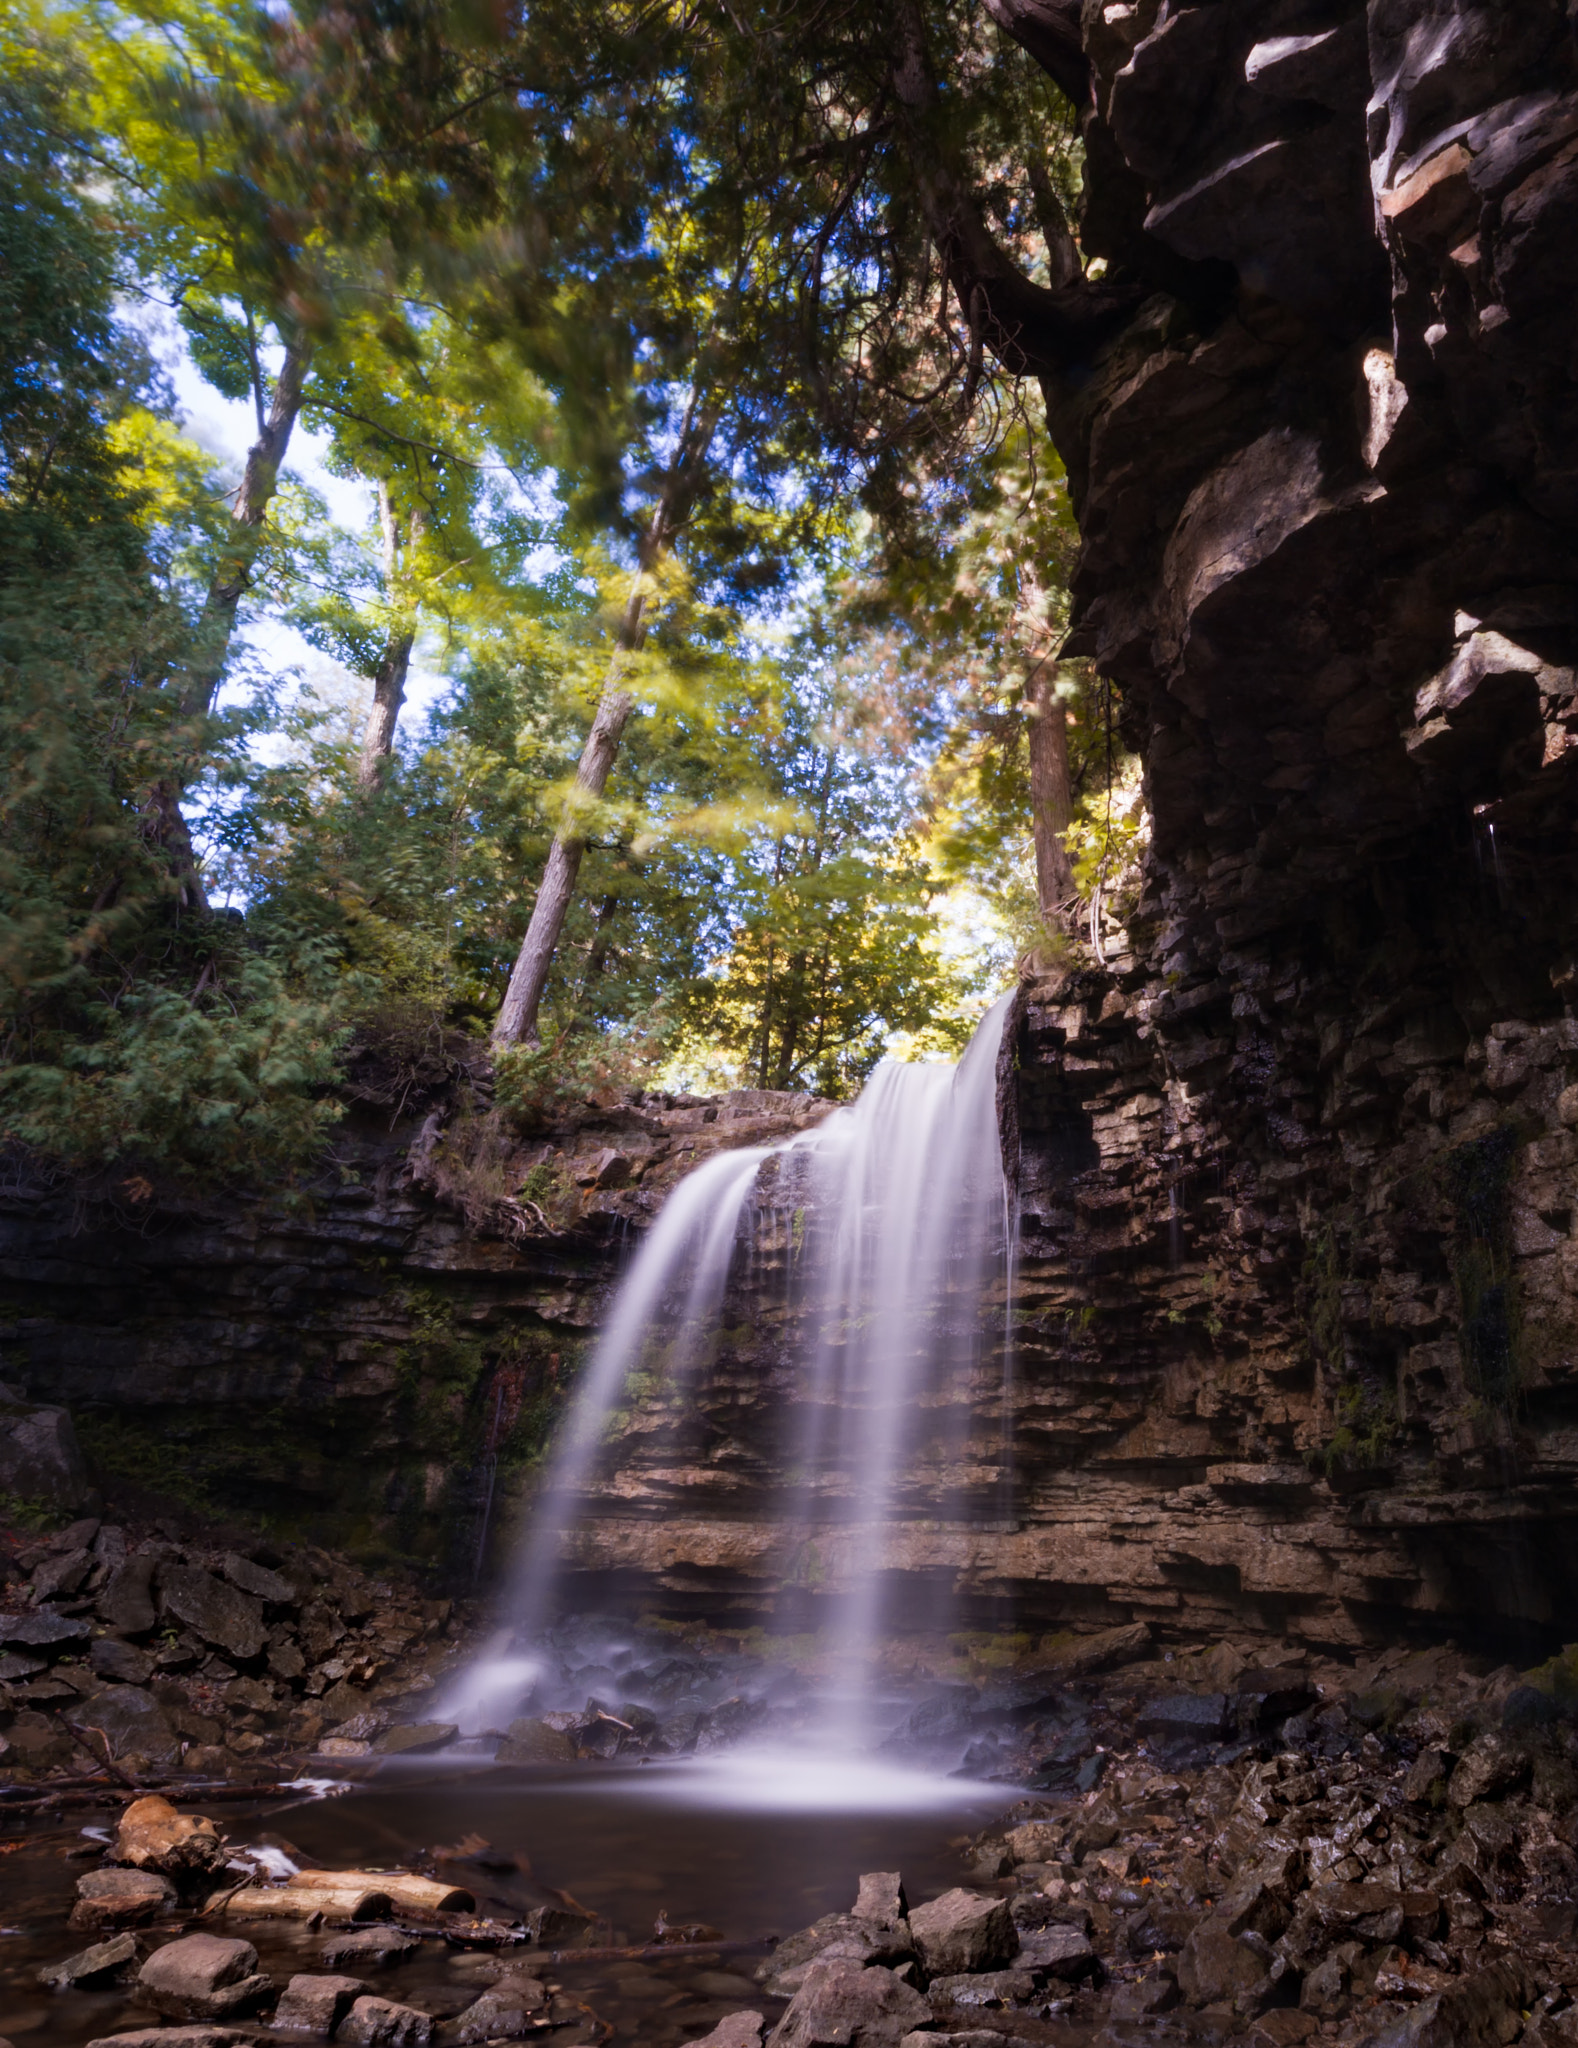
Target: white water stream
904 1221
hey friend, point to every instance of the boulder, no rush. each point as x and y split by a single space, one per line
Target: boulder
229 1619
1057 1951
153 1836
313 2004
1489 1768
59 1577
131 1721
120 1898
98 1964
836 1937
989 1988
1036 1841
964 1931
125 1600
1428 1777
505 2012
1217 1967
529 1741
39 1456
1484 2010
416 1738
843 2004
741 2030
203 1977
259 1581
880 1898
1185 1716
381 2023
120 1661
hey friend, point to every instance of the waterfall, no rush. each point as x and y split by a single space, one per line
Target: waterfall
899 1211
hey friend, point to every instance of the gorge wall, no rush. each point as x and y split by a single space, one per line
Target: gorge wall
1295 1341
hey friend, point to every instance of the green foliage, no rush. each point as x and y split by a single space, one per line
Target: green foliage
1365 1428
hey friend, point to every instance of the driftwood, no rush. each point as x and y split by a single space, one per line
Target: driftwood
77 1792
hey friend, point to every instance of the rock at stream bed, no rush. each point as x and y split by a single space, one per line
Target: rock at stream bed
175 2037
836 1937
416 1738
381 2023
203 1977
506 2011
739 2030
846 2005
106 1959
120 1898
528 1741
962 1932
313 2004
370 1947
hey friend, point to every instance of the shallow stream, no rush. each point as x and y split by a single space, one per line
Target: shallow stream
746 1846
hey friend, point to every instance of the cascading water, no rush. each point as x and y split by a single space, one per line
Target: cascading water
900 1220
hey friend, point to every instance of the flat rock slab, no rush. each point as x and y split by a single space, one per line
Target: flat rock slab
104 1959
131 1721
36 1631
416 1738
222 1615
175 2037
506 2011
963 1932
372 1945
528 1741
120 1898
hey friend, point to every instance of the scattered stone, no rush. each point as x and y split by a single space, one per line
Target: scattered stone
1483 2010
1428 1776
257 1580
229 1619
514 2007
880 1898
1490 1767
153 1836
203 1976
120 1898
113 1658
964 1931
131 1721
1058 1951
416 1739
368 1945
40 1630
380 2023
61 1576
125 1600
843 2004
106 1959
835 1937
742 2030
175 2037
313 2004
529 1741
986 1988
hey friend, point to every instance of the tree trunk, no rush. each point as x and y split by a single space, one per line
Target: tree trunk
259 481
394 665
232 573
517 1018
1051 794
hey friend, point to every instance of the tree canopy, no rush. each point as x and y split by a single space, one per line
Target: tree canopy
686 360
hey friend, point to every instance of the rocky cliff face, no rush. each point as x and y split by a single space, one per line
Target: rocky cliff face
1296 1337
1297 1340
